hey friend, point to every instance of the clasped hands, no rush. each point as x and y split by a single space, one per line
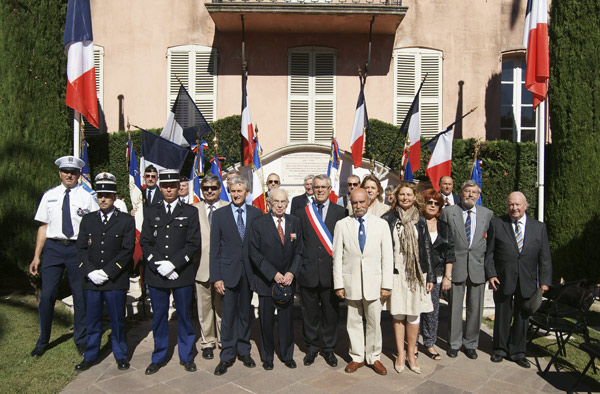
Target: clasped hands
285 280
98 277
166 269
495 284
385 294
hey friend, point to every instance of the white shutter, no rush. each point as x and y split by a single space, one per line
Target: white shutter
99 70
324 105
299 97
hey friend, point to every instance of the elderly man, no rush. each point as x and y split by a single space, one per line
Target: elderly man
320 306
231 273
59 214
209 301
363 265
273 182
352 183
184 189
517 262
104 248
276 256
170 238
469 226
304 199
152 194
446 187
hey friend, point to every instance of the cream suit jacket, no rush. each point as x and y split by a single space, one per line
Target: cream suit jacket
203 274
363 275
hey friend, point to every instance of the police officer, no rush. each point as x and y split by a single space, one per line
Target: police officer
59 214
119 204
170 238
104 249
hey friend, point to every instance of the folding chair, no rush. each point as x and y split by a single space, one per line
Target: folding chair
593 350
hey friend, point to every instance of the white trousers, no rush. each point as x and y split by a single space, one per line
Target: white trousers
364 348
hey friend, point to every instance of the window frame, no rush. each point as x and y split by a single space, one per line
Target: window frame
518 79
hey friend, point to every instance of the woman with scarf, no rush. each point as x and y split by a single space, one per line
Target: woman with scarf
413 274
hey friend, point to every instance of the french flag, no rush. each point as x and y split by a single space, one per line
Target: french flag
246 130
197 170
535 39
258 191
440 162
81 76
358 129
137 200
334 170
414 134
215 169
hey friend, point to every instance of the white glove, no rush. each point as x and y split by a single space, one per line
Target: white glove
165 267
98 277
173 275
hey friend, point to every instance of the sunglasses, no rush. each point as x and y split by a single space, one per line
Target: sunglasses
207 188
273 182
431 202
150 176
353 184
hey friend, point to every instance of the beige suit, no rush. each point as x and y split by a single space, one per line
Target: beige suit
209 301
362 275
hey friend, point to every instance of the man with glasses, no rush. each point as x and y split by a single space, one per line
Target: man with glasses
209 301
152 194
304 199
353 182
273 182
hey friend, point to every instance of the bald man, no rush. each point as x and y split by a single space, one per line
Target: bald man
517 262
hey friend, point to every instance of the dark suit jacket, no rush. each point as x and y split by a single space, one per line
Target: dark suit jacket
156 197
107 247
529 268
299 202
228 252
175 238
268 256
442 248
317 264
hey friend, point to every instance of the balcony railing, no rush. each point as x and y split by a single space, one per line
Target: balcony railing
394 3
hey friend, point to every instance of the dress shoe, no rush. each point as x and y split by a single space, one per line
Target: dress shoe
84 366
189 366
398 368
247 360
452 353
153 368
268 365
353 366
290 364
471 353
208 353
222 368
309 358
81 348
415 369
523 362
38 352
330 359
379 368
122 365
496 358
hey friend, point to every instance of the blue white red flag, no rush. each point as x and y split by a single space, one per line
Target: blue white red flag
358 129
197 171
86 179
320 228
246 129
162 153
215 169
258 180
476 176
535 39
440 162
334 170
136 197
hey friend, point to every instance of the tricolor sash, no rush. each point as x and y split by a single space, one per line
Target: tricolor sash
319 226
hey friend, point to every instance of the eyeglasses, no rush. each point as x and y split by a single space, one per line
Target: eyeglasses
431 202
273 181
321 187
353 184
150 176
207 188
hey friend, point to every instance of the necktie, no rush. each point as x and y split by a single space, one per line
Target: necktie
320 209
240 223
468 227
105 218
447 202
168 209
362 236
519 235
211 208
280 231
149 200
67 226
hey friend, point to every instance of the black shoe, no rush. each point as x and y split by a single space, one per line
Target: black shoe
452 353
38 352
496 358
247 360
122 365
207 353
81 348
290 364
189 366
84 366
309 358
523 362
153 368
222 368
268 365
471 353
330 359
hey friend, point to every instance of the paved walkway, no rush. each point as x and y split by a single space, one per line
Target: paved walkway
459 375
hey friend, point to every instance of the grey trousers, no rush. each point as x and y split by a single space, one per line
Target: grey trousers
469 337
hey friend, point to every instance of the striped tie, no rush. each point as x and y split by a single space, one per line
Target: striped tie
519 236
468 227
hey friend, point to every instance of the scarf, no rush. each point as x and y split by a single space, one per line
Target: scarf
409 246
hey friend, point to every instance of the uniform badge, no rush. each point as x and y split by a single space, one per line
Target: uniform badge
81 212
157 219
89 240
293 236
155 234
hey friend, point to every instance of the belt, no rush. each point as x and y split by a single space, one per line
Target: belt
62 241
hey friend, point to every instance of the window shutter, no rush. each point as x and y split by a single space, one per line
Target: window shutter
324 97
99 70
299 96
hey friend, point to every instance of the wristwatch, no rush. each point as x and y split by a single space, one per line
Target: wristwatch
448 277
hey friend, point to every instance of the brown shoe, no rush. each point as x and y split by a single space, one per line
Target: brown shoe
379 368
353 366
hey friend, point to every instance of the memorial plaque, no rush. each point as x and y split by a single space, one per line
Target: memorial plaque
296 166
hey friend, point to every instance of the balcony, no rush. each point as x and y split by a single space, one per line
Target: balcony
306 16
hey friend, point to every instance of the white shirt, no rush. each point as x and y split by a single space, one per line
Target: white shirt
325 208
50 209
120 205
276 219
108 215
473 221
449 197
173 205
208 207
357 223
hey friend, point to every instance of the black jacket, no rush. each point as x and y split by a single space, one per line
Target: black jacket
442 248
425 252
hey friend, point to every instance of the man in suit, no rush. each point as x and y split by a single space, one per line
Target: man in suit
209 301
104 249
152 194
363 264
517 261
170 238
304 199
231 273
469 226
276 256
446 190
352 183
184 189
320 306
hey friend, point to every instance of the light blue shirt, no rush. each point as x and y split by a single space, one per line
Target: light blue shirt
235 212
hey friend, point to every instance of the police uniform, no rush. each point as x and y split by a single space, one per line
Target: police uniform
107 176
60 253
106 247
172 240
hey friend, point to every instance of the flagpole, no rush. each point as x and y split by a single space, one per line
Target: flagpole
76 134
541 131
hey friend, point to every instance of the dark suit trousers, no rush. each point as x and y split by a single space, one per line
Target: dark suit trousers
320 311
510 341
235 321
115 304
285 317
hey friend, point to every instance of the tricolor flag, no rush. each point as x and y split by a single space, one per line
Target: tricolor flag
81 76
86 179
246 130
215 168
414 131
137 199
358 129
535 39
185 123
476 176
197 170
440 162
161 152
258 180
333 171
